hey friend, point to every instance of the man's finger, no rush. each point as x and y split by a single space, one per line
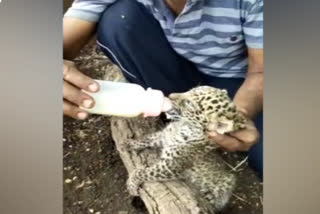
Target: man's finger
75 77
248 137
73 111
230 144
74 95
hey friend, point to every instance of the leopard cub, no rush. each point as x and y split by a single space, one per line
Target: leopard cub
186 151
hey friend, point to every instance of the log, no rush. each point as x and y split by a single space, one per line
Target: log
170 197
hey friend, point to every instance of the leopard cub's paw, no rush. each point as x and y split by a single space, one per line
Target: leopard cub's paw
128 145
123 147
133 187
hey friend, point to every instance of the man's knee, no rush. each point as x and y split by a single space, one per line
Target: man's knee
119 21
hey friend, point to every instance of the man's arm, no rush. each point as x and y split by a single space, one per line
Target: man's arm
249 100
249 97
79 25
76 33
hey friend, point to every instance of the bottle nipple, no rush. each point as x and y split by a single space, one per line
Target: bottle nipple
167 105
155 103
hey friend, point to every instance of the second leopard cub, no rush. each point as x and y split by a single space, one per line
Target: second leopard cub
186 152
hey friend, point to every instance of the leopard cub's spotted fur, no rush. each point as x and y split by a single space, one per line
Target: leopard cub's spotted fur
186 152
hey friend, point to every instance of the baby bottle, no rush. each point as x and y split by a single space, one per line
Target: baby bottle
127 100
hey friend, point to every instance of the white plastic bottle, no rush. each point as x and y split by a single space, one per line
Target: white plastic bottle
127 100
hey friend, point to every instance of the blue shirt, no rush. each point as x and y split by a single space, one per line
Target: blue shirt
213 34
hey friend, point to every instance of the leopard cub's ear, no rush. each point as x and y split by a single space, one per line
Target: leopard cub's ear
225 125
240 121
212 122
224 91
220 124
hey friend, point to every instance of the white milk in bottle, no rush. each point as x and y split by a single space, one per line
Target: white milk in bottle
127 100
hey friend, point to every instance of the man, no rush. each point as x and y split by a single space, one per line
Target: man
174 45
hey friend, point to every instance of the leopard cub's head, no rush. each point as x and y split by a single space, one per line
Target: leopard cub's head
211 107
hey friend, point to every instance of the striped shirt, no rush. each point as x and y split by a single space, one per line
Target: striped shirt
213 34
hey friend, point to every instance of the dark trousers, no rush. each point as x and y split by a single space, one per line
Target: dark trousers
130 36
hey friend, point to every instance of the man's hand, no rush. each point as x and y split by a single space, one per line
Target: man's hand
249 100
241 140
73 97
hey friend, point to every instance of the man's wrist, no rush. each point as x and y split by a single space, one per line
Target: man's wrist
249 98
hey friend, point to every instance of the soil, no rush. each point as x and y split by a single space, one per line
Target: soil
94 176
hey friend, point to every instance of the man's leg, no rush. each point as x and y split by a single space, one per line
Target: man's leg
256 152
133 39
255 155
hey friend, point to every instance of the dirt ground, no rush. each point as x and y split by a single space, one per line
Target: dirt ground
94 176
